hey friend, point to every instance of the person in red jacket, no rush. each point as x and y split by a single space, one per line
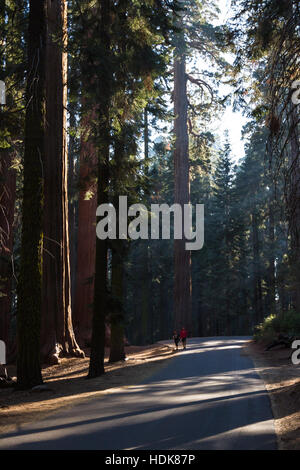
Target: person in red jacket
183 336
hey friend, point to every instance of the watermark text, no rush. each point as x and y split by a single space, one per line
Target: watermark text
160 222
2 93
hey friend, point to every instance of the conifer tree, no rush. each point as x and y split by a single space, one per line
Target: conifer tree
30 280
58 337
12 58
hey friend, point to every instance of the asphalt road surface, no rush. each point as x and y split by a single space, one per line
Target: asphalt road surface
207 397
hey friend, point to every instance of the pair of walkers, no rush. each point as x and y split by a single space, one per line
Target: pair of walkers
180 337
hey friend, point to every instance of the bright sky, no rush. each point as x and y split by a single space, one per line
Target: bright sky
231 121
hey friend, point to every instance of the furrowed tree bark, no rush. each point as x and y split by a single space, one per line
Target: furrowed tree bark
7 207
118 250
86 242
271 296
100 310
294 207
57 335
103 86
72 204
182 257
30 280
7 204
148 254
117 346
257 286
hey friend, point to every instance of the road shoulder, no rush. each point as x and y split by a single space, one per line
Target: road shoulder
282 381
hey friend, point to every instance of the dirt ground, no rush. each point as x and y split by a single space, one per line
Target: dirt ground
68 385
282 380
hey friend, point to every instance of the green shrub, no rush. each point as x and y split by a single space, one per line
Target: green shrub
287 323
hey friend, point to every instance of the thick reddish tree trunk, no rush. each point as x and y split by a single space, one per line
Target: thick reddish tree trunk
117 339
57 336
257 281
294 208
86 240
29 287
7 207
182 257
103 87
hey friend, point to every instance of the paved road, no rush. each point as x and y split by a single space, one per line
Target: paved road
207 397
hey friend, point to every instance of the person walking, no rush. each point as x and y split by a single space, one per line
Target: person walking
183 336
176 338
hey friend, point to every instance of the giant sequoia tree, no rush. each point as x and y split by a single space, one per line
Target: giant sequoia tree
7 206
86 243
182 257
57 329
12 59
103 89
30 280
195 36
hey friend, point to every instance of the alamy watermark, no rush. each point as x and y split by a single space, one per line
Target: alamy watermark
2 93
295 356
139 227
2 353
296 94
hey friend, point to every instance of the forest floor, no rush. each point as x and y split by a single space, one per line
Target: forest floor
282 381
67 385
